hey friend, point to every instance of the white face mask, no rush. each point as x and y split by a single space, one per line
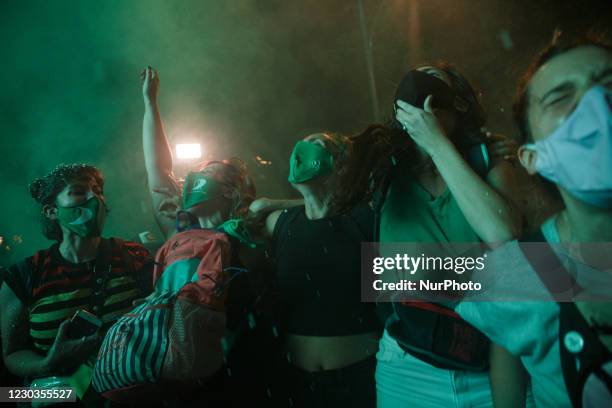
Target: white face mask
578 155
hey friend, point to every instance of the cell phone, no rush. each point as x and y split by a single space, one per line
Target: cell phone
83 324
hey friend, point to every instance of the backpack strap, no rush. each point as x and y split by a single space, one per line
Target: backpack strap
145 283
551 272
581 351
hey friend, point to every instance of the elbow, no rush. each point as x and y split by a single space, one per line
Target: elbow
506 229
260 205
502 233
510 224
513 228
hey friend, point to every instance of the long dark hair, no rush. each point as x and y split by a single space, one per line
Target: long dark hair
372 152
361 155
469 120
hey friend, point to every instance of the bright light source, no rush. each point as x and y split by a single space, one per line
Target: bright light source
188 151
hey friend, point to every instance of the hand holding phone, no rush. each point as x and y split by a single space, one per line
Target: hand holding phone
83 324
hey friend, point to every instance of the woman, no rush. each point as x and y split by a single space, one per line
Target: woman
217 195
227 196
330 337
563 112
81 271
440 192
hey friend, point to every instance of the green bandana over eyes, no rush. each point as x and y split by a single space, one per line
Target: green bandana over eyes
85 220
308 161
199 188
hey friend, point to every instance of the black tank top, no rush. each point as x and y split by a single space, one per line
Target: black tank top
319 275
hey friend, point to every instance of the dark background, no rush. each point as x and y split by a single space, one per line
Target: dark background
245 78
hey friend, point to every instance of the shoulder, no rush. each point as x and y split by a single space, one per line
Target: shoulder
282 218
22 276
38 261
291 213
19 272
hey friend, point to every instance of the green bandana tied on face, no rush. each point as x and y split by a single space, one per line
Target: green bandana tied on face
86 219
199 188
308 161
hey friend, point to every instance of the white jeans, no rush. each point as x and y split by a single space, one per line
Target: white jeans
404 381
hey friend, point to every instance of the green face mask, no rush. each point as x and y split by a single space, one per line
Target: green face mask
199 188
308 161
85 220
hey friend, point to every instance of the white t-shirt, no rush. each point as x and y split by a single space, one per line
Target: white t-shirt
528 329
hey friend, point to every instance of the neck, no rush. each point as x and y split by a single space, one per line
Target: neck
423 163
316 201
76 249
211 221
581 222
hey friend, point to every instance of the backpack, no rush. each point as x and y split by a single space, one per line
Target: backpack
174 337
586 359
433 332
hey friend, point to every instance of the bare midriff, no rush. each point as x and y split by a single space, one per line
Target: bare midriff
317 353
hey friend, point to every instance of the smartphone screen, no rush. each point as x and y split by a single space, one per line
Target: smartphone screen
83 324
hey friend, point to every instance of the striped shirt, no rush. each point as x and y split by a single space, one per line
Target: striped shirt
53 289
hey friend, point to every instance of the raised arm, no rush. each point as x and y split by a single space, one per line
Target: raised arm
487 205
158 157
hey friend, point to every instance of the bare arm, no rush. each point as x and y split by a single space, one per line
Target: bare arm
270 209
19 355
157 155
486 206
508 378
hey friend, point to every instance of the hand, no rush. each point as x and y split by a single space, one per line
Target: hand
66 354
258 211
501 146
150 85
260 208
422 125
170 204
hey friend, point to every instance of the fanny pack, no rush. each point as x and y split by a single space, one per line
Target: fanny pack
439 336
